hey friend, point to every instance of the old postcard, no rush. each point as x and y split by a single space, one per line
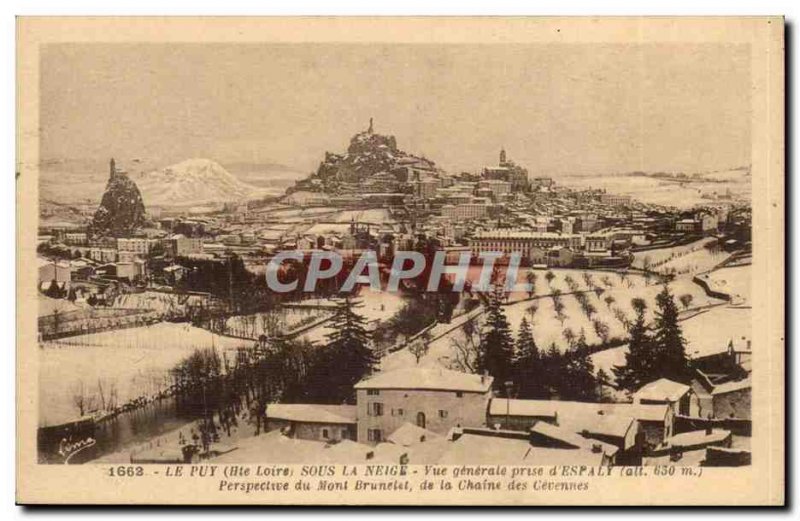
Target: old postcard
400 261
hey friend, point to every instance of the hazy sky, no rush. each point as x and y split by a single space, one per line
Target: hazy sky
556 108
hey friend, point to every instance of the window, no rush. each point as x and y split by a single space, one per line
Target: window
374 435
459 394
375 409
345 434
373 392
442 413
324 434
400 412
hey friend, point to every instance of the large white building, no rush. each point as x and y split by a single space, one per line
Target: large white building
433 399
522 241
465 211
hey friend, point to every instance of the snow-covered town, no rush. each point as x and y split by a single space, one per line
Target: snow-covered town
161 341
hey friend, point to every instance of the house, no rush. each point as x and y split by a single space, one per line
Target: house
312 421
628 426
677 395
729 399
179 245
433 399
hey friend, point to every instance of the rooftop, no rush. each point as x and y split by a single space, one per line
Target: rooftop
410 434
438 379
662 389
312 413
618 414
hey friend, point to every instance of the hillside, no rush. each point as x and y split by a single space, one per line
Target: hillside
372 163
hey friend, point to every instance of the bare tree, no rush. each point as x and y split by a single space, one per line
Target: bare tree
418 348
602 330
569 336
466 350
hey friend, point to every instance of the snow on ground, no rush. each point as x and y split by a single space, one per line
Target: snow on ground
697 261
661 255
374 305
663 192
288 319
708 332
156 301
379 216
734 281
548 329
131 361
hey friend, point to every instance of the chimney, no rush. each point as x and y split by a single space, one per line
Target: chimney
709 429
112 168
484 377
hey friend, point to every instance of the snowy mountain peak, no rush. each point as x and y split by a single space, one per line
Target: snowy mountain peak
194 181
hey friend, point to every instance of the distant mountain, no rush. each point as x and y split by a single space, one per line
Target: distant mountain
193 182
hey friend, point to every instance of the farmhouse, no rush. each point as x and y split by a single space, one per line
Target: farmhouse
433 399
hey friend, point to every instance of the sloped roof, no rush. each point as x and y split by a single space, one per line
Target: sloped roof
436 379
273 447
614 417
568 436
514 407
729 387
346 451
662 389
410 434
472 449
312 413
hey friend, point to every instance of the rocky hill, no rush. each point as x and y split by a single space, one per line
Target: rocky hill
121 209
372 163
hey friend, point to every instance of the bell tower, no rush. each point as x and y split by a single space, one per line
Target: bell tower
502 156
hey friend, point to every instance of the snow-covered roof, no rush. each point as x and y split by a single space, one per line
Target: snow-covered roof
573 412
438 379
513 407
410 434
470 449
729 387
662 389
346 451
312 413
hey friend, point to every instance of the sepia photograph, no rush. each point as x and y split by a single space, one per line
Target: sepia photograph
380 266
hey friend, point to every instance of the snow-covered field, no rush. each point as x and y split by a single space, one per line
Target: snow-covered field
287 319
132 362
735 281
663 192
156 301
708 332
379 216
548 329
374 305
